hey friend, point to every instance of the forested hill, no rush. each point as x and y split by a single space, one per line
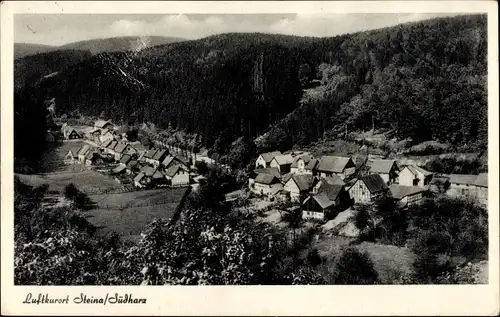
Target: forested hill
424 80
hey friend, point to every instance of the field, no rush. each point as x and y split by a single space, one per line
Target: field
389 261
89 182
128 213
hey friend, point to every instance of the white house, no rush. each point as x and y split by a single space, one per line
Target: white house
266 185
282 163
474 186
412 175
328 199
103 124
298 186
300 162
264 159
368 188
178 176
387 169
335 165
406 196
106 135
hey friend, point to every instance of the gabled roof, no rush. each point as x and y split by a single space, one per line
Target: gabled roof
104 131
305 157
159 154
83 149
132 164
150 153
268 157
166 162
482 180
120 147
139 177
462 179
265 179
304 182
286 159
118 169
172 171
106 143
112 145
332 180
95 130
322 200
333 164
331 191
125 159
400 191
268 170
382 166
374 183
101 123
416 170
90 154
148 170
286 177
312 164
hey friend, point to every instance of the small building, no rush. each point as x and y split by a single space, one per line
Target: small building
170 161
439 184
268 170
69 133
125 159
472 186
265 185
406 196
282 163
327 201
120 169
94 135
310 168
300 162
120 150
81 153
111 147
133 167
368 188
148 156
178 176
158 157
331 180
335 165
387 169
103 124
299 186
70 157
264 159
149 177
106 135
412 175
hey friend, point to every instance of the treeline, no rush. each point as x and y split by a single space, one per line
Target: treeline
422 81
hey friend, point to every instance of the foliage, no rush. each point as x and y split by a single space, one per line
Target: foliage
314 258
202 167
354 267
452 165
70 191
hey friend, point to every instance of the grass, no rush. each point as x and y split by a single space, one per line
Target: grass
89 182
129 213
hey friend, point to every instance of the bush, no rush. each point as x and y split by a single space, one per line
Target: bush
70 191
354 267
314 258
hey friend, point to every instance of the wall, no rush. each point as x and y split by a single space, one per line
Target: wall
260 162
461 190
360 193
312 215
406 177
180 179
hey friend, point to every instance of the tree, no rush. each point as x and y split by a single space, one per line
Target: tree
305 74
70 191
202 167
354 267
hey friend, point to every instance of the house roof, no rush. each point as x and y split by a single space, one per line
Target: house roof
125 159
139 177
119 169
400 191
265 179
276 189
382 166
312 164
101 123
286 177
90 154
148 170
112 145
166 162
462 179
95 130
159 154
106 143
304 182
305 157
374 183
83 149
104 131
173 170
120 147
482 180
284 159
331 190
150 154
416 170
268 170
334 164
132 163
439 179
333 180
268 157
322 200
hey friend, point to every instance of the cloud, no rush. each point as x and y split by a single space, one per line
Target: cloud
130 27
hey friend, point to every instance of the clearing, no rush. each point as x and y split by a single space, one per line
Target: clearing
129 213
53 159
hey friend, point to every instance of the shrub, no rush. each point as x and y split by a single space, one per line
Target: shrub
354 267
70 191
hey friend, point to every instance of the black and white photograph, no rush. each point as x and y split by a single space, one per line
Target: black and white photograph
250 149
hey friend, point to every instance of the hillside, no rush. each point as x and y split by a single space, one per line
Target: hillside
423 81
25 49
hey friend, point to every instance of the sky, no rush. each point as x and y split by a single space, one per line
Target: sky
59 29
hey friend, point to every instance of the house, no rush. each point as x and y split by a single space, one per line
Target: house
80 154
148 177
473 186
158 157
125 159
300 162
264 159
92 157
106 135
368 188
387 169
170 161
103 124
70 157
70 133
121 149
148 156
133 167
282 163
110 148
299 186
268 170
335 165
104 145
331 180
178 176
412 175
94 135
310 168
327 201
266 185
406 196
439 184
119 169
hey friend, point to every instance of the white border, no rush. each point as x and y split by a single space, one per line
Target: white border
255 300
